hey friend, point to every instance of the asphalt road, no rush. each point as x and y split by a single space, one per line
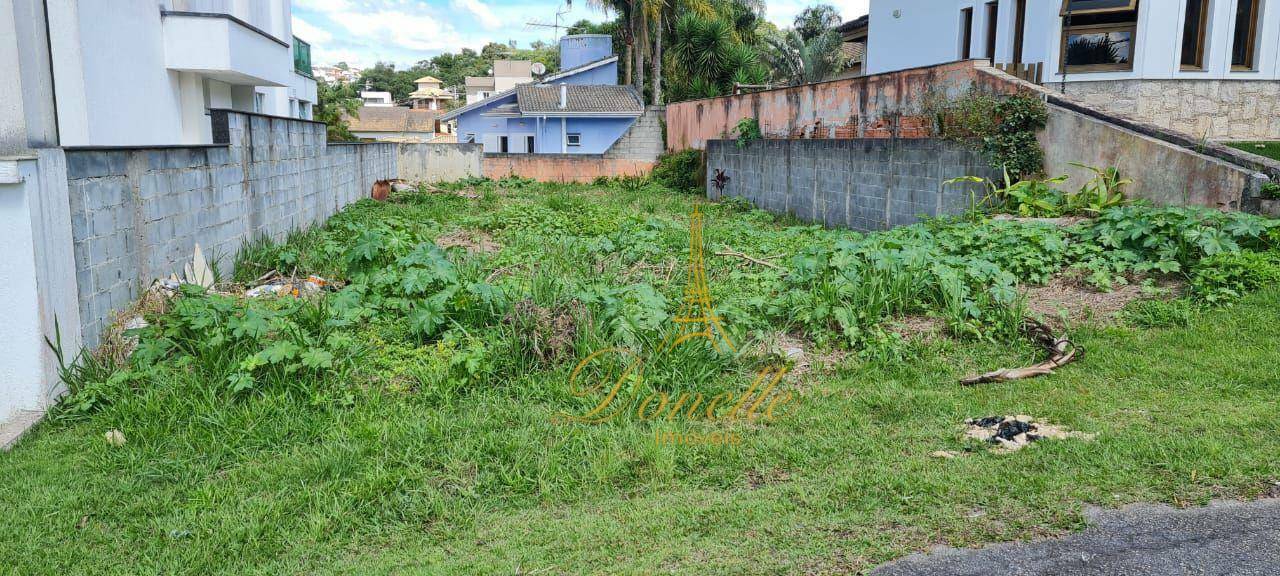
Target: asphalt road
1228 538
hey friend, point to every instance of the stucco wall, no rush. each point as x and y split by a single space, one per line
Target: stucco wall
1208 109
1161 172
136 214
438 162
865 107
38 295
866 184
562 167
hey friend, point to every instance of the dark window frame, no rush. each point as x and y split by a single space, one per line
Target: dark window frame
1130 27
569 137
1202 33
966 33
1131 6
504 145
1251 37
1019 30
529 144
993 28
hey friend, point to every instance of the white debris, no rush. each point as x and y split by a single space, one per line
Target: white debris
114 437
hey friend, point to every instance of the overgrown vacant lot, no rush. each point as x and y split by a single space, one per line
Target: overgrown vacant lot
406 423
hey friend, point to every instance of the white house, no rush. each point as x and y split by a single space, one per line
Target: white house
1210 68
506 74
374 98
146 72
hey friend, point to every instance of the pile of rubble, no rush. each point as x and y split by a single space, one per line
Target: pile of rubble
1012 433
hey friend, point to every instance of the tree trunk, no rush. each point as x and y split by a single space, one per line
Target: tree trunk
637 33
657 62
634 55
628 74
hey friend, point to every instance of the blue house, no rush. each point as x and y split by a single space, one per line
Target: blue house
579 110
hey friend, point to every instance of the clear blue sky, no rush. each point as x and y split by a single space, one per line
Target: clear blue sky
361 32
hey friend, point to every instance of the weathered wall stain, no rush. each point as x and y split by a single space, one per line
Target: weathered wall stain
881 106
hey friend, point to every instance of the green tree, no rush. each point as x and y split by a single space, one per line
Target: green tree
336 103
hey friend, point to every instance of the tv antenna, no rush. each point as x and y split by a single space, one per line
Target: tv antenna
556 25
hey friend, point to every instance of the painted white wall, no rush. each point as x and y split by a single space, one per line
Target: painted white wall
911 33
21 370
126 76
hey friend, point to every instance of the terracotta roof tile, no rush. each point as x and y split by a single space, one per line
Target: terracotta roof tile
581 99
394 119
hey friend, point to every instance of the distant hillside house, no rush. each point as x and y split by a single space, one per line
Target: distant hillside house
396 124
430 94
376 99
506 74
580 110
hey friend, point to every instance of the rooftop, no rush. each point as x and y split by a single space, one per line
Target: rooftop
393 119
582 99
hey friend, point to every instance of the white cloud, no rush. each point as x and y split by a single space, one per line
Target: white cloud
310 33
323 5
394 29
480 10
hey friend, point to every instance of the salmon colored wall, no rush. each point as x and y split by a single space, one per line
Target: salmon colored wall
562 167
880 106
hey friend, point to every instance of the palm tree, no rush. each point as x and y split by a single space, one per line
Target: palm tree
705 58
796 60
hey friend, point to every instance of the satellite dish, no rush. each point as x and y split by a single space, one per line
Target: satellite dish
539 68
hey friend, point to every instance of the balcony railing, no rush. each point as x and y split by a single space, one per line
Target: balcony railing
301 57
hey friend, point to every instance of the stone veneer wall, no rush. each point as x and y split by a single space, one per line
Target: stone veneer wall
1208 109
137 213
865 184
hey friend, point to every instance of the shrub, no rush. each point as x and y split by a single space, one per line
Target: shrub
748 131
1014 146
680 171
1224 277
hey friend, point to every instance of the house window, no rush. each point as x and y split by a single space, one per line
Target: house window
1194 27
1244 45
528 144
503 146
1019 30
993 21
469 138
574 139
966 33
259 102
1098 35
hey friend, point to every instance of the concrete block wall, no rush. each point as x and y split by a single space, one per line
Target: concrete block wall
643 141
439 162
865 184
137 213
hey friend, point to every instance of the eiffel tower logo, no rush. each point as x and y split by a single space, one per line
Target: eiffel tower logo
697 317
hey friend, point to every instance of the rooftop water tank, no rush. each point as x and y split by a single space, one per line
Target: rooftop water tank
580 49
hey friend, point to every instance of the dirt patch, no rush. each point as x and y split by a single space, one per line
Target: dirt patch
758 478
472 240
798 352
923 328
1067 297
547 334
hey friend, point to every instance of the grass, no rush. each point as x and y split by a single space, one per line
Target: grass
1269 149
400 466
